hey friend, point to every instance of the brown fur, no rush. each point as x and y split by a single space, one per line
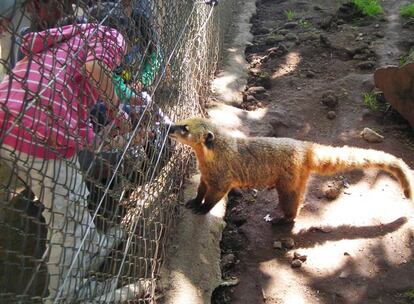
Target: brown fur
227 162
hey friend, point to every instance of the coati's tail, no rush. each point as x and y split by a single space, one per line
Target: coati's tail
326 160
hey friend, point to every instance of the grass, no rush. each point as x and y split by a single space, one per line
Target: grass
407 58
304 24
290 14
371 101
407 10
369 8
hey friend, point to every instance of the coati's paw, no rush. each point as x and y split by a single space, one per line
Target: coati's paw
192 204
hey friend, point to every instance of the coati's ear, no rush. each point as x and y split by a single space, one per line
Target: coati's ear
209 138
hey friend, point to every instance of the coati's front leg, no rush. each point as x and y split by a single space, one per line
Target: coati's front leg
198 200
212 197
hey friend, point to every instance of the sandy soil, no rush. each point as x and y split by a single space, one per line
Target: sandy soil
359 244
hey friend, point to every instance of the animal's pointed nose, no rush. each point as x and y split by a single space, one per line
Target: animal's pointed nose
171 128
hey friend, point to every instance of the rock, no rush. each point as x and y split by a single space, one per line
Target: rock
277 245
229 282
380 35
344 274
288 243
291 37
272 49
291 25
332 190
256 90
329 99
274 39
255 71
300 257
228 261
331 115
250 98
371 136
283 32
366 65
296 264
397 84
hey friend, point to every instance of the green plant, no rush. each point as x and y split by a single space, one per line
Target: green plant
305 24
409 57
368 7
290 14
409 294
371 101
407 10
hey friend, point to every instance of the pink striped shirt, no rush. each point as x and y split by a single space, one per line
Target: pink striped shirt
46 99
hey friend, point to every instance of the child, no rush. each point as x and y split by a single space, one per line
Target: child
44 118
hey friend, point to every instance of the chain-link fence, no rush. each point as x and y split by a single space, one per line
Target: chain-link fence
88 176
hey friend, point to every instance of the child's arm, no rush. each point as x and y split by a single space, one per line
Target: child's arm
101 79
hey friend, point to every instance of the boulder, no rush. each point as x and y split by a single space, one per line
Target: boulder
397 84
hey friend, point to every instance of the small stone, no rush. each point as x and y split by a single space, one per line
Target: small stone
344 274
366 65
290 25
255 71
230 282
274 39
371 136
329 99
296 264
272 49
379 35
331 115
283 32
250 98
376 25
277 245
291 37
300 257
288 243
254 192
256 90
228 261
332 190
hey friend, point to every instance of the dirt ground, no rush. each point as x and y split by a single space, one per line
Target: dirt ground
315 59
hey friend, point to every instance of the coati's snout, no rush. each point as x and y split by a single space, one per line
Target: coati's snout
178 131
193 132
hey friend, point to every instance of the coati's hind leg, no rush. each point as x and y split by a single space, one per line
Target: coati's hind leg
291 198
196 202
212 197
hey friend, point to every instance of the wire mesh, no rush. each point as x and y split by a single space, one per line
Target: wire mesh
88 176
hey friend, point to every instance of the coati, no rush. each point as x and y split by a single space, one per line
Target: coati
227 162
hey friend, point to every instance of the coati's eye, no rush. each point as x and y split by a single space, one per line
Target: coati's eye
186 128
